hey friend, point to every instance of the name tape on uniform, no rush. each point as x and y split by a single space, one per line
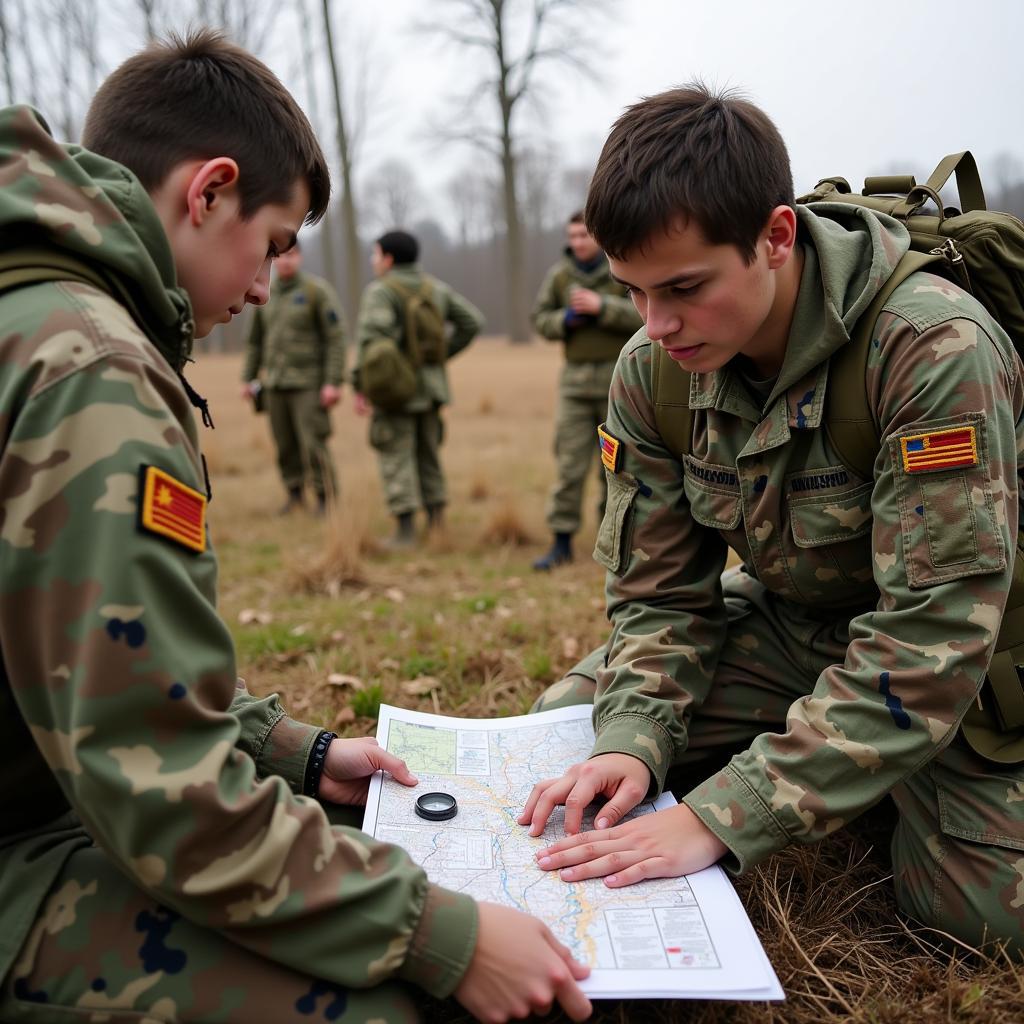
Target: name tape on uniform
172 509
953 448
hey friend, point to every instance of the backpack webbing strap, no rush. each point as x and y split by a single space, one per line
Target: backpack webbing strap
405 296
670 394
22 267
849 421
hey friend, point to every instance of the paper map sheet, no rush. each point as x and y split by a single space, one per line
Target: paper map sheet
664 938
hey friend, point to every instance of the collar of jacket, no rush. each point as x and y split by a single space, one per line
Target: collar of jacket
849 253
94 209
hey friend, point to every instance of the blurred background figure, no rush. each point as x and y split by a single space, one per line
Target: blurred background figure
294 370
580 305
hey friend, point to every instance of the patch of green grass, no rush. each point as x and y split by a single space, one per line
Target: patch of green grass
421 665
254 642
537 663
366 703
479 604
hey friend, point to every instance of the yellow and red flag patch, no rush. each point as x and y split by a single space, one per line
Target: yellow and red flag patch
953 448
171 509
611 450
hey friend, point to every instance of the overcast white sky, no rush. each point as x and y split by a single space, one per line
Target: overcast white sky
855 88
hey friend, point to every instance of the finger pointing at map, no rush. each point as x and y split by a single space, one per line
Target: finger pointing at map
623 779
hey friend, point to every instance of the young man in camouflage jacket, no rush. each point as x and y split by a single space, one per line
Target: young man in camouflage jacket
166 850
297 341
581 306
836 664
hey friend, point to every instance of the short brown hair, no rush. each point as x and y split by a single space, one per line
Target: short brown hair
688 154
199 97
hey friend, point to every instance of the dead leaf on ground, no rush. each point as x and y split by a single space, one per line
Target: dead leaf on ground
247 616
340 679
420 686
570 648
386 663
344 717
394 594
301 630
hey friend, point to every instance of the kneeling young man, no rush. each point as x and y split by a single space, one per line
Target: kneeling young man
835 665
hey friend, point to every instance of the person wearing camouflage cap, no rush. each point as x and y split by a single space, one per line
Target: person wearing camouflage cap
836 664
580 305
167 849
298 340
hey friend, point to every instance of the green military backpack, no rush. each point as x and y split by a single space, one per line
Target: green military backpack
983 252
425 336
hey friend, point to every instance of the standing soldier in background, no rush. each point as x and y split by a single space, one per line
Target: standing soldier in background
403 345
579 303
298 339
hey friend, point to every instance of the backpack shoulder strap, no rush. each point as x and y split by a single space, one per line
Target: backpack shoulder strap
21 267
849 421
670 392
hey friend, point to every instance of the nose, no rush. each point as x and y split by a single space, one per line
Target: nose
259 290
660 320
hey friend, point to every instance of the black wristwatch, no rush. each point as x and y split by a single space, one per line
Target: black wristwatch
315 764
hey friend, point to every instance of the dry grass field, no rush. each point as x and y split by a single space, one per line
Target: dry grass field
323 614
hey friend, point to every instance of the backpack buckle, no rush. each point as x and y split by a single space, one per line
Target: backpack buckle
949 251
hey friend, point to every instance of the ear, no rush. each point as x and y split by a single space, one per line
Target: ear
780 236
209 186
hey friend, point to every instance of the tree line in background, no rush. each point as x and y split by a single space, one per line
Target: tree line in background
498 223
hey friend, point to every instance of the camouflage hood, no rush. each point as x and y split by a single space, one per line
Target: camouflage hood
852 252
65 199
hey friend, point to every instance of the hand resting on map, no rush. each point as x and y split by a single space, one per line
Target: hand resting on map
349 765
622 778
659 845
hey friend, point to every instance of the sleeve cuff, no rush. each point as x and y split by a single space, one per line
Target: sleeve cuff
642 737
728 806
287 750
443 943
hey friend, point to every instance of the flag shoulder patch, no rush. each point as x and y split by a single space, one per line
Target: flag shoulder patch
611 450
950 448
171 509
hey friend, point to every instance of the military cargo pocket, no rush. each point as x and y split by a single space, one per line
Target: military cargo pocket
986 809
833 519
612 548
947 515
713 493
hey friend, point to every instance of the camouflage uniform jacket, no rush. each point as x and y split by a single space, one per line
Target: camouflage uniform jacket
121 720
382 314
919 562
599 338
298 338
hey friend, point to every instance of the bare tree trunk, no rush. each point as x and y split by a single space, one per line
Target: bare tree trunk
350 226
5 52
326 226
30 60
518 316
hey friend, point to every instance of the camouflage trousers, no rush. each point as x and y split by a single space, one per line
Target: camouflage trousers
409 448
958 846
102 950
301 427
582 408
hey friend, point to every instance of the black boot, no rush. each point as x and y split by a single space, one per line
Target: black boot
435 517
294 501
560 553
405 533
